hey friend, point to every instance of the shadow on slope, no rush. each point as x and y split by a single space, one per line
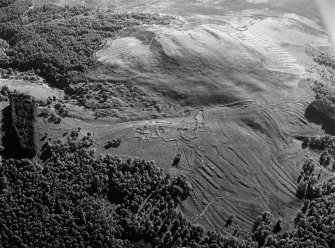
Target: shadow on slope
315 116
201 66
9 140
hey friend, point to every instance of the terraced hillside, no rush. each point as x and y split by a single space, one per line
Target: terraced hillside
246 80
223 87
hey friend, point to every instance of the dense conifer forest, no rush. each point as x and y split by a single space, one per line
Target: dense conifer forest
73 197
58 43
78 199
22 116
13 10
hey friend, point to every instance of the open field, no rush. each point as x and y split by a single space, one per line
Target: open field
241 154
190 7
244 81
235 77
40 91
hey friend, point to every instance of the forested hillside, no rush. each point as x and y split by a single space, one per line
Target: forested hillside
59 42
67 195
13 10
78 199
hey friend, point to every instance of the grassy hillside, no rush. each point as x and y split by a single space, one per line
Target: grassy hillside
107 202
243 91
59 42
104 202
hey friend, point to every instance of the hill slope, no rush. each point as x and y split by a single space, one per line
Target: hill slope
226 92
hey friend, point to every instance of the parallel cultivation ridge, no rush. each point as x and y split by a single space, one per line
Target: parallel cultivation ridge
78 199
75 198
23 112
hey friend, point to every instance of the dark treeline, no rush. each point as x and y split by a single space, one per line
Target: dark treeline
104 96
325 61
77 199
322 109
325 99
4 3
13 10
324 58
314 224
327 145
21 120
59 42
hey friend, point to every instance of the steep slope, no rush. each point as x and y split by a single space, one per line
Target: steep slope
245 78
193 67
239 77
